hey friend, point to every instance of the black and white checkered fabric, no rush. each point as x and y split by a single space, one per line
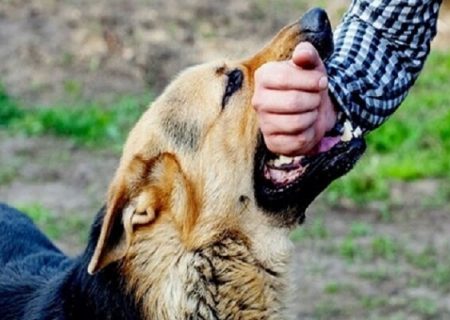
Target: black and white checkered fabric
380 48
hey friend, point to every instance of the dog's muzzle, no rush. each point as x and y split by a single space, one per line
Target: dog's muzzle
286 186
316 29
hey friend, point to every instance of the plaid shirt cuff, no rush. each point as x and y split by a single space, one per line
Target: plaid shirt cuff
380 48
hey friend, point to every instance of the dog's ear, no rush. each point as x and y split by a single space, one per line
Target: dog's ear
136 197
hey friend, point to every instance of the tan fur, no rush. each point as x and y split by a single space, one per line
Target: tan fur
195 244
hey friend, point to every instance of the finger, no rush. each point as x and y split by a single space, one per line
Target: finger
280 124
291 145
306 56
287 76
285 102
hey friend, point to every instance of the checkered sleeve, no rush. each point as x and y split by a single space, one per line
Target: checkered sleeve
380 48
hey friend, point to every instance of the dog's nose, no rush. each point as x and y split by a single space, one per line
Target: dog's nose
316 28
315 20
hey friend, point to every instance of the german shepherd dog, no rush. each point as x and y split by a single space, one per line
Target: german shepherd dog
197 216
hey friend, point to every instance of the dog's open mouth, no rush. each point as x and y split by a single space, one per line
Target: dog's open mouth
284 186
284 171
289 185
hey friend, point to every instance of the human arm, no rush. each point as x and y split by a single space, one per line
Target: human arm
380 47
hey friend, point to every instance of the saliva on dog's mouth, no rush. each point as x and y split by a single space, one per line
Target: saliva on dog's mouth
286 186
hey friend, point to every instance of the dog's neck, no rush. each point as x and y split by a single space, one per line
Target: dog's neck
222 280
160 279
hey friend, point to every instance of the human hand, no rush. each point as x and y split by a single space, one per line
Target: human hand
292 102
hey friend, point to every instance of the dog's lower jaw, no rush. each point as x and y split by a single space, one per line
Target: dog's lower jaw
223 280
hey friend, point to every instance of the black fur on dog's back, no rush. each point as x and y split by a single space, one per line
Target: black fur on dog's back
27 260
37 281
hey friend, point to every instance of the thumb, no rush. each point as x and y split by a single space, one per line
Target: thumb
306 56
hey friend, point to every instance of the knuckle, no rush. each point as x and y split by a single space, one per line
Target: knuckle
279 73
271 74
265 134
258 75
256 101
264 71
262 74
267 126
314 80
315 75
262 120
277 79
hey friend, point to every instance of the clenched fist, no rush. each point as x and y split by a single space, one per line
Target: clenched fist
292 102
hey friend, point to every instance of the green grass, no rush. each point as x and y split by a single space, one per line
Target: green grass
334 288
376 275
56 227
440 276
435 276
413 144
357 246
426 307
373 302
351 250
426 259
360 229
328 309
385 247
316 230
85 122
9 109
8 174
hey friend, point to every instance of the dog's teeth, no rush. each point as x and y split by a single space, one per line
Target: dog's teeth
277 162
357 133
286 160
347 135
298 160
282 160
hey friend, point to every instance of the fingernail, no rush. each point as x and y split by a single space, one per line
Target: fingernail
323 83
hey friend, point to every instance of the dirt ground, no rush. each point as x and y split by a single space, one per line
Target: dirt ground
110 47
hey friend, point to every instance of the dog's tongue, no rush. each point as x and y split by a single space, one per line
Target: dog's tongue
283 177
327 143
285 170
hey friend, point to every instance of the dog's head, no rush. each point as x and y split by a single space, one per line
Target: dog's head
196 163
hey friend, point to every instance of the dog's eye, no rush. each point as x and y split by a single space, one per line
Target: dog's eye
235 79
